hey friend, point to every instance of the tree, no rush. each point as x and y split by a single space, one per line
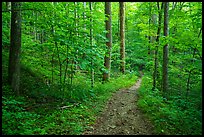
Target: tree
14 54
76 16
122 37
107 58
155 73
91 43
149 36
191 70
165 49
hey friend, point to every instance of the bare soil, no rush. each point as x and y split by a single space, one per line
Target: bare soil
121 115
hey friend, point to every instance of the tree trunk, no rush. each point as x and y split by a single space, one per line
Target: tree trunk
107 58
76 22
149 37
14 54
122 37
165 49
91 43
34 26
155 73
84 14
67 49
118 34
126 23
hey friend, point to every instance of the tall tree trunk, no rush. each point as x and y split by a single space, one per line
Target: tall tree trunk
76 16
126 22
107 58
8 8
155 73
165 50
122 37
52 62
118 34
67 49
91 43
34 26
149 37
84 14
14 54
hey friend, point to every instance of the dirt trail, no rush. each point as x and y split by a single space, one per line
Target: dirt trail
121 116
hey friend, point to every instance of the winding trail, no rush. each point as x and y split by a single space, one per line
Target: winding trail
121 115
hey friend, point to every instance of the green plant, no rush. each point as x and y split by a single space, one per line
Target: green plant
168 116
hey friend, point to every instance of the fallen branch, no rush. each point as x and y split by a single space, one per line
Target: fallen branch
75 104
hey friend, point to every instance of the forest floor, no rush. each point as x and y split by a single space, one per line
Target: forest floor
121 116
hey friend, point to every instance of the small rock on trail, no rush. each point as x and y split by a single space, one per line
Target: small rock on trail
121 116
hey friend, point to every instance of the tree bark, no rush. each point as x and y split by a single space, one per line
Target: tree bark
107 58
122 37
91 43
14 54
165 49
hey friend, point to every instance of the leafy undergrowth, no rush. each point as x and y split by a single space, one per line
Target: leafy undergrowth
173 116
42 113
43 108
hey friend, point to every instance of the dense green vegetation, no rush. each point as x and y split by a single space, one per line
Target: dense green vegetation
173 116
45 110
63 45
181 112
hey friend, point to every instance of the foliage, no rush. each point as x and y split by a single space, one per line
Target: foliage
56 64
15 120
21 117
175 116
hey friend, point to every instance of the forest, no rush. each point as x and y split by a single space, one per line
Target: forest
84 68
